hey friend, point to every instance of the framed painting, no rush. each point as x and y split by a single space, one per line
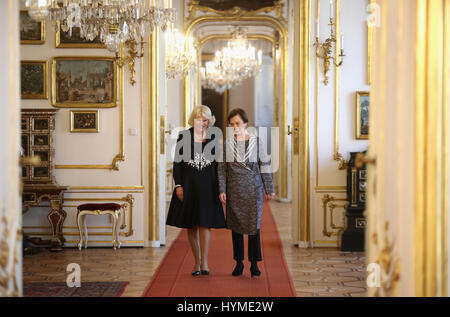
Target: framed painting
248 5
84 82
31 31
33 80
63 39
236 8
362 115
84 121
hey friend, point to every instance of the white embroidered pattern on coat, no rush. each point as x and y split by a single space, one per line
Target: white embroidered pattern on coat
199 162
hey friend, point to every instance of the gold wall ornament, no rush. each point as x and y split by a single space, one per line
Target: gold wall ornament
8 269
342 163
325 50
388 262
328 202
131 57
194 6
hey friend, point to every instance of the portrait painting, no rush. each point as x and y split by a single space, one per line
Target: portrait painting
362 115
31 31
33 79
84 121
81 82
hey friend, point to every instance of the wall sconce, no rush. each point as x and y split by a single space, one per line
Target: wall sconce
131 57
324 50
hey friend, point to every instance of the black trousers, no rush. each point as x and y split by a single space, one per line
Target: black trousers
254 247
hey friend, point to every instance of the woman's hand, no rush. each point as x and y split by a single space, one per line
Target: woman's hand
270 196
223 198
179 192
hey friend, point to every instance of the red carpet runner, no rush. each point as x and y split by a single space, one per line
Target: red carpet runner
173 276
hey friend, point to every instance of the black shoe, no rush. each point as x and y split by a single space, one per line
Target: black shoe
254 270
195 273
238 269
204 272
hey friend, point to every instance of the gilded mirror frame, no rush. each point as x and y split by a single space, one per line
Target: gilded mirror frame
281 102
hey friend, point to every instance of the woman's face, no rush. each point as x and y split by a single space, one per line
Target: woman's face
200 124
238 125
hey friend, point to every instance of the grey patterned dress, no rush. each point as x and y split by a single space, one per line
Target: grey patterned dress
243 180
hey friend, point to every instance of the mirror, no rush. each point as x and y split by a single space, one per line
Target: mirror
254 94
263 96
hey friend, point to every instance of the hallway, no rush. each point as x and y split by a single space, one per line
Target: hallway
323 272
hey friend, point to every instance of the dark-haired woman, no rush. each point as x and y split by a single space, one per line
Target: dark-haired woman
243 178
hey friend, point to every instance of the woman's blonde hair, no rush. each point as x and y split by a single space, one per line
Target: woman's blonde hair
203 111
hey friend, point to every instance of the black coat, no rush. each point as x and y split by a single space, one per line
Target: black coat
198 177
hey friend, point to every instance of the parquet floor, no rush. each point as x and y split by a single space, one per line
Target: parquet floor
315 272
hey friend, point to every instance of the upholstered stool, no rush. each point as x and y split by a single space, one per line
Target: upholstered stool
98 209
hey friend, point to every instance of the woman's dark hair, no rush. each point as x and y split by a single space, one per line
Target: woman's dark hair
238 112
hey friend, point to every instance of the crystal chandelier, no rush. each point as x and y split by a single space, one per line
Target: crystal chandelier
215 76
234 63
114 21
181 54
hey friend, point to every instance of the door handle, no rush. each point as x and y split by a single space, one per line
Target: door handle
362 159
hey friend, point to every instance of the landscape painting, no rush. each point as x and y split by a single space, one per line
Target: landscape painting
65 40
31 31
362 115
79 82
33 79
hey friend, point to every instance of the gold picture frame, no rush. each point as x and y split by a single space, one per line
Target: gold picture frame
59 40
31 32
362 115
369 53
100 91
85 121
33 79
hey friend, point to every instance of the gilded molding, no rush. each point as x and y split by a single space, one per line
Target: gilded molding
120 157
342 163
278 28
328 202
389 264
153 159
130 59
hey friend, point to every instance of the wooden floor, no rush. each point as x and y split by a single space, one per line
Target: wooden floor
315 272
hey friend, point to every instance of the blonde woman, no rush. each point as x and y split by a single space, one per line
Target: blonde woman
195 203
